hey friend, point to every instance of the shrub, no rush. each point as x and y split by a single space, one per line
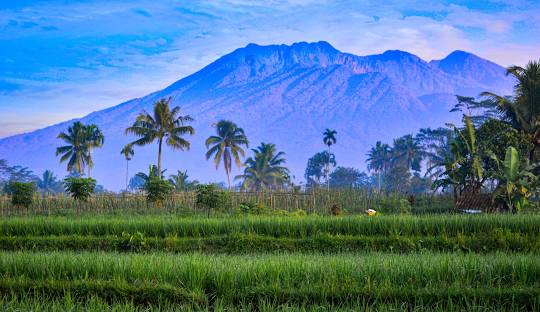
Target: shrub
133 242
254 208
404 206
22 193
157 189
335 210
80 188
211 197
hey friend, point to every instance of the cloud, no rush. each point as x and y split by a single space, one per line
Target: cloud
98 53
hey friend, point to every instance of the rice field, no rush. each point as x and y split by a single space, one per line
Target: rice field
268 263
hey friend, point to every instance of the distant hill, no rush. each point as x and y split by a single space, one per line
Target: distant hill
286 95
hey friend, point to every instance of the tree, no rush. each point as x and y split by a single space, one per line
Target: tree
94 139
435 144
522 110
316 165
165 125
347 177
379 160
227 144
152 173
49 184
329 138
181 182
76 152
407 152
128 153
265 169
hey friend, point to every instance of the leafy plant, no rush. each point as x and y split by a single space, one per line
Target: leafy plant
22 193
80 188
516 180
157 190
133 242
211 197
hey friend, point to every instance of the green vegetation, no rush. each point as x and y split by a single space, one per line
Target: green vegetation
497 280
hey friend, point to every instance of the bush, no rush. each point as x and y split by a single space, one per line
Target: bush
80 188
22 193
211 197
157 189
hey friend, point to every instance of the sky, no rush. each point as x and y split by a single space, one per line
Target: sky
64 59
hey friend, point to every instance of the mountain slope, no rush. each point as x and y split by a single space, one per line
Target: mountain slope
285 95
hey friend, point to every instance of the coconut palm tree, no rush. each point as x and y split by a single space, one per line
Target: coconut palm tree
48 184
227 144
128 153
95 139
523 109
379 159
407 152
329 138
265 169
181 182
76 151
164 125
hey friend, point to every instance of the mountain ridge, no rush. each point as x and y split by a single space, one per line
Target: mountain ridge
285 94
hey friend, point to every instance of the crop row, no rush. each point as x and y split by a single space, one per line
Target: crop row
495 279
163 226
502 241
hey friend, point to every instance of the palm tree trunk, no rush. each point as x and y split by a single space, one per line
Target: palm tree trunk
228 180
127 174
328 170
159 158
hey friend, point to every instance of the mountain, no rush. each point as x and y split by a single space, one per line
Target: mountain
286 95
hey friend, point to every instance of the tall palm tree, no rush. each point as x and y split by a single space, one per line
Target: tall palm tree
265 169
128 153
95 139
227 144
164 125
329 138
48 183
76 151
407 152
379 159
523 109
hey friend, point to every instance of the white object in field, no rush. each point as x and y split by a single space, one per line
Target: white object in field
371 212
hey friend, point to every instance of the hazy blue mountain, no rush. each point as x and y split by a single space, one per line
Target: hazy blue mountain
286 95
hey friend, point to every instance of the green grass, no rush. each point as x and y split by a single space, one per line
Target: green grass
298 227
297 279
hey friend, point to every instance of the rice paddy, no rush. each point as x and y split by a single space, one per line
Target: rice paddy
268 263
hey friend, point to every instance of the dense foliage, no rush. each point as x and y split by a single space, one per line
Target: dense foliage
80 188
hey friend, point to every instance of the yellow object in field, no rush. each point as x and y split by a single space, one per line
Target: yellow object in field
371 212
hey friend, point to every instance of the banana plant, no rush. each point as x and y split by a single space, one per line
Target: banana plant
516 180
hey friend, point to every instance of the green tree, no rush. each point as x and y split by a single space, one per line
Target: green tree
94 139
316 166
165 125
265 169
181 181
76 152
329 139
407 152
128 153
225 145
49 184
347 177
522 110
379 160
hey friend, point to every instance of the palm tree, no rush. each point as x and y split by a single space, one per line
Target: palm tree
128 153
265 169
226 145
95 139
48 183
523 109
164 125
181 182
407 152
329 138
379 158
76 151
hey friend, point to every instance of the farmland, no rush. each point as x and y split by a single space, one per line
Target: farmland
437 262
